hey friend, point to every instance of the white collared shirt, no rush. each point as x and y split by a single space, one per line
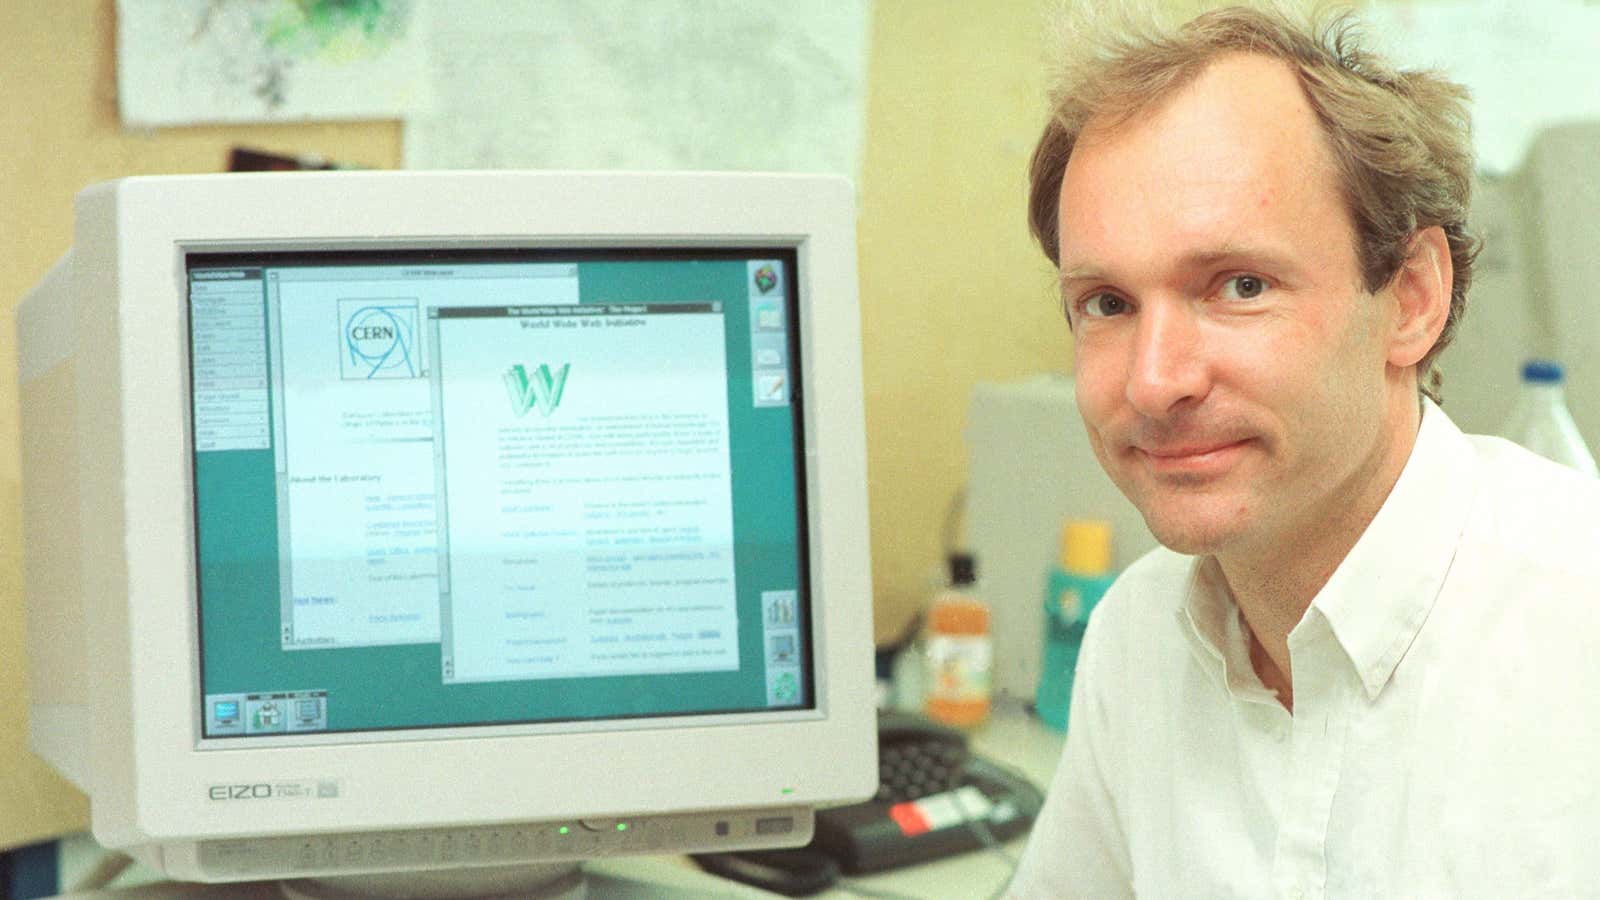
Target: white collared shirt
1445 740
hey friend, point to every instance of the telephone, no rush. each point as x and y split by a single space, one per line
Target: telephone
934 799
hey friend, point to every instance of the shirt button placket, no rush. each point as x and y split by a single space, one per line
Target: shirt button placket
1316 755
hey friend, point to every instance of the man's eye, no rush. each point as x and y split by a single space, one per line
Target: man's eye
1243 287
1103 304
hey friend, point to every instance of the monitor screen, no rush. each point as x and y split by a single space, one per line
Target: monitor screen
535 488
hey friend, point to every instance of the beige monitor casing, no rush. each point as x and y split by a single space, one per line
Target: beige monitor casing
109 526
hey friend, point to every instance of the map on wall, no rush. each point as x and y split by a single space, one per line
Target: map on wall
669 84
182 62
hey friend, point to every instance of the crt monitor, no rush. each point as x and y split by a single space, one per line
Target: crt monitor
382 522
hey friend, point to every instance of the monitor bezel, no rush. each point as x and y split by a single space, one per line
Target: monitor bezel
152 783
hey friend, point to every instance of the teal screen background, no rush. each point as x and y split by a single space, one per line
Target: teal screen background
397 687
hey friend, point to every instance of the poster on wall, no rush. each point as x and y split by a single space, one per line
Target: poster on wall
669 84
185 62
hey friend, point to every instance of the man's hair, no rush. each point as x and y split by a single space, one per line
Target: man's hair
1400 141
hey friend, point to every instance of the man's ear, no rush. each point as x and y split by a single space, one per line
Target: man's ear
1421 290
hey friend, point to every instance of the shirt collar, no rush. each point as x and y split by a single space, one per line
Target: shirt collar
1377 599
1210 620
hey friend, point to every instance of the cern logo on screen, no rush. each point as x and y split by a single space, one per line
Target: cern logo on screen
378 339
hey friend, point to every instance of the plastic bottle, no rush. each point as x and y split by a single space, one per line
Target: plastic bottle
1071 592
1541 421
959 651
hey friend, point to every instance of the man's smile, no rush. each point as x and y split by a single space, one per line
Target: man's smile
1192 458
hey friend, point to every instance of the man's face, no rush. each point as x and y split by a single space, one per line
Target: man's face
1230 367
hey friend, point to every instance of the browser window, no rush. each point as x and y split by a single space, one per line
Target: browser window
496 488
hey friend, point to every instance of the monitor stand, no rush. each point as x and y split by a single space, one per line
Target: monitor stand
626 878
656 878
549 881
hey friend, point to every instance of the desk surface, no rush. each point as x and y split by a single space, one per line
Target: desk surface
1010 736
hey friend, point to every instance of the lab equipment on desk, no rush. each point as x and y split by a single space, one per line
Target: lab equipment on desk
958 651
1074 586
1542 422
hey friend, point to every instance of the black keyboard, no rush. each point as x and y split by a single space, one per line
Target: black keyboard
929 785
915 769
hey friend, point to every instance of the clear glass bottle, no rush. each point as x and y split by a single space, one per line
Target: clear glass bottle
1541 421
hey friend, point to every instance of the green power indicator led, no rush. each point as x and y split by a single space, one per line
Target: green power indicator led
622 826
565 830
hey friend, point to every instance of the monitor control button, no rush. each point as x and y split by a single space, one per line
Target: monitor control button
775 825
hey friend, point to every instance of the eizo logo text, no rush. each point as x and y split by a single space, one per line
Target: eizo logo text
241 791
542 390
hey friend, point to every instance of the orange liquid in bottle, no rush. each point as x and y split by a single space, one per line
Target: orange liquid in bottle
959 656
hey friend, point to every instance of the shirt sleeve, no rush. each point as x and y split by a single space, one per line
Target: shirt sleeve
1078 848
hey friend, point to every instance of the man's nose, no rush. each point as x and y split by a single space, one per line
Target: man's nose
1168 365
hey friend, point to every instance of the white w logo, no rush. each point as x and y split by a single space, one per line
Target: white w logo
542 390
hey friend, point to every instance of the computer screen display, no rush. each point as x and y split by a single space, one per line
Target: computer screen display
441 490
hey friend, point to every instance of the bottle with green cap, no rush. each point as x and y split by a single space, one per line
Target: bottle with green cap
1075 585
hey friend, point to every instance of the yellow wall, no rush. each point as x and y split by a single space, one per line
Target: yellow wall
953 290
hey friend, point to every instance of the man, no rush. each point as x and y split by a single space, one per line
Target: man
1366 661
